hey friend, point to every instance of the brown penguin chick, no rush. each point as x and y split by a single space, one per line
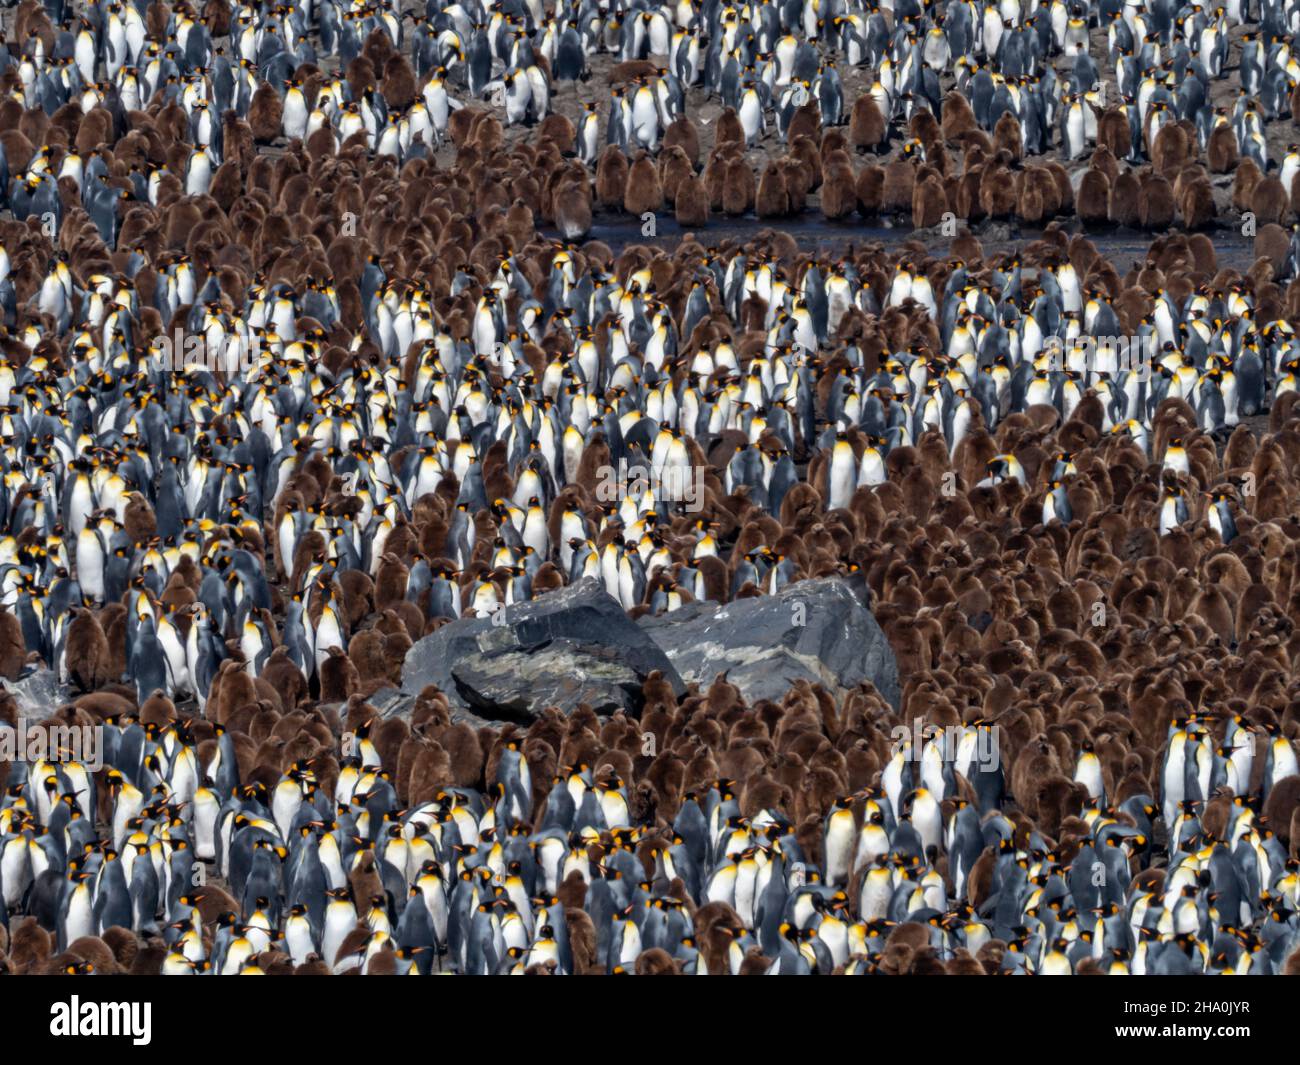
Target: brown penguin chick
148 960
990 955
1155 202
283 674
364 877
867 128
870 189
178 594
805 122
897 959
269 758
1217 815
104 705
216 15
13 650
611 177
411 622
310 549
1282 808
390 582
389 734
123 943
94 130
1221 150
656 962
313 965
398 85
963 964
926 962
1036 766
1030 205
157 709
338 677
739 188
1244 181
582 934
642 192
929 202
572 892
384 962
520 221
465 751
674 168
691 205
1063 201
997 192
138 519
276 962
572 207
1113 133
1105 162
714 175
366 652
805 152
460 125
967 195
1269 201
318 467
1093 200
89 660
1273 243
899 181
956 117
232 689
30 945
717 581
1172 149
431 772
682 134
266 114
728 129
1125 192
717 925
657 695
773 197
667 776
839 197
1007 135
94 951
1197 204
358 716
754 963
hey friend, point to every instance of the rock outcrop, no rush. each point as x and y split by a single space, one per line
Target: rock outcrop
816 630
575 645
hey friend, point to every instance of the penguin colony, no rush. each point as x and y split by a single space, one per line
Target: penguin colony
1131 112
1093 566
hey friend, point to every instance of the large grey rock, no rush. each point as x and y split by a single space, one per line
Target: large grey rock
38 694
574 645
813 630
